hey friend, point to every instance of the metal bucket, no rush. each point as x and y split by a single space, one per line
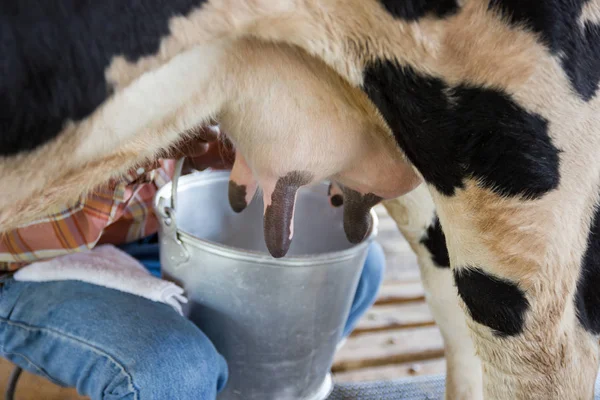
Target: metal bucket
277 322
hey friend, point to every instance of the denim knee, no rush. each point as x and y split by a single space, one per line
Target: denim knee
108 344
368 286
184 366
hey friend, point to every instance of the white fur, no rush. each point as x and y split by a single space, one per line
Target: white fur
591 13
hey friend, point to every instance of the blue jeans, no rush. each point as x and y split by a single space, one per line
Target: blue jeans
113 345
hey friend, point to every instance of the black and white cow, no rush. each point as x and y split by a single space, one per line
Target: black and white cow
493 102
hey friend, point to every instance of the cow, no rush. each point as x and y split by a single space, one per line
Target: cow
355 146
493 103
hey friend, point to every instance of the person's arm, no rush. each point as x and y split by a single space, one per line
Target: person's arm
112 213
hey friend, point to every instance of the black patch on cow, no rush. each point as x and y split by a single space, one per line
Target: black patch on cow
454 133
435 241
557 22
412 10
587 298
492 301
53 56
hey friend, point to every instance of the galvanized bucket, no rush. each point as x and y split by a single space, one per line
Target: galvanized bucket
277 322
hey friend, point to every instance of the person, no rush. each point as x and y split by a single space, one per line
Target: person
106 343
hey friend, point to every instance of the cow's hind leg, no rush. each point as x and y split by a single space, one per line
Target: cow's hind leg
525 276
415 216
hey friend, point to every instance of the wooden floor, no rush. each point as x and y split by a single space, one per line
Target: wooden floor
396 338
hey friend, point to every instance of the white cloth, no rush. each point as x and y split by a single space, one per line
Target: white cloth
106 266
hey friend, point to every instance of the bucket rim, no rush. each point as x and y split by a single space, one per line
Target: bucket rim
236 253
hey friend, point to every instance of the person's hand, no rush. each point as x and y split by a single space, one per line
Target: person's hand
216 153
203 148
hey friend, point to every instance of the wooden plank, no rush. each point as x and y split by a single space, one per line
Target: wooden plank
401 266
391 372
33 387
389 347
395 316
400 292
401 260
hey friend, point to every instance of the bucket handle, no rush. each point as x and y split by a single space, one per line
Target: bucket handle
174 185
170 222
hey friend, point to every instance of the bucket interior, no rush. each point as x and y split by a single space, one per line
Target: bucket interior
203 211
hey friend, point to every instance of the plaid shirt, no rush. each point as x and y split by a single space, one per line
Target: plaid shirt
119 213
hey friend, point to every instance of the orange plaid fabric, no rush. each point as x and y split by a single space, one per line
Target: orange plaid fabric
119 213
